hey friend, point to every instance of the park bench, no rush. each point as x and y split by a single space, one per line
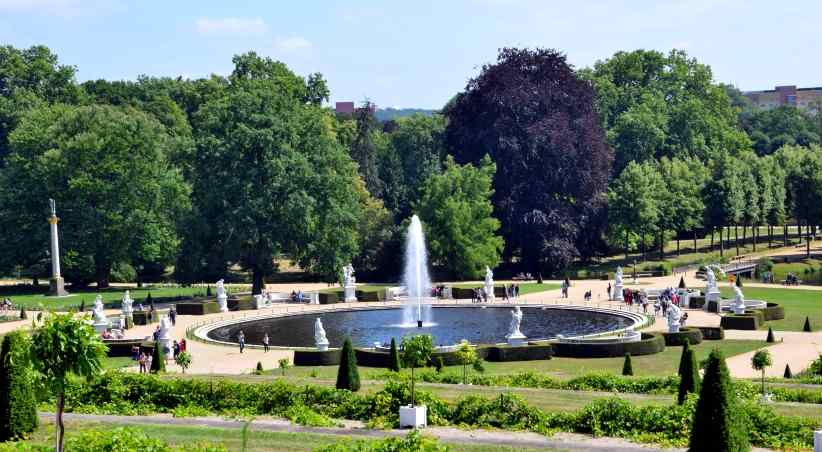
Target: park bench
794 283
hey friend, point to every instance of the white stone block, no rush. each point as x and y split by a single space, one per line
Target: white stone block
817 441
413 416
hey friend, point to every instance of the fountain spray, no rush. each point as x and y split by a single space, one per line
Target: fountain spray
416 278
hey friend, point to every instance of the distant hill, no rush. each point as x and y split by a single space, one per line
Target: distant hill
386 114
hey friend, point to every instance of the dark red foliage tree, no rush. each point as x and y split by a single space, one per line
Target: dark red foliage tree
536 119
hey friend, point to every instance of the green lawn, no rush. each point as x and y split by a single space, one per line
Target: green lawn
524 288
808 270
797 304
111 296
231 438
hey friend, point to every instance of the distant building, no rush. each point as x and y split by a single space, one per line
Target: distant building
802 98
349 107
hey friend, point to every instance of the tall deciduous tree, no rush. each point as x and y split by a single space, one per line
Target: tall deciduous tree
364 149
107 168
536 119
634 204
456 210
724 196
64 345
681 206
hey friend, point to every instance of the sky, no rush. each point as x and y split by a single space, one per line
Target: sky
415 54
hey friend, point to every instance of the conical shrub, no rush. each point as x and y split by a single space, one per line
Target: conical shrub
348 376
682 283
18 406
688 376
788 373
738 280
394 357
807 327
770 338
150 301
627 368
23 315
259 369
158 359
686 345
718 424
439 365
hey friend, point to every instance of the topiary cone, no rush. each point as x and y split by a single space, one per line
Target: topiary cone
738 280
770 338
689 376
259 367
682 282
394 357
348 376
23 315
627 368
807 327
718 423
18 404
158 359
686 345
788 373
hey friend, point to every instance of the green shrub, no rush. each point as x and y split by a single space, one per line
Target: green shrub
627 368
478 365
122 272
283 363
807 328
190 411
394 358
18 405
259 369
302 415
717 423
770 338
23 315
688 375
439 364
348 376
124 439
788 373
158 359
738 280
413 442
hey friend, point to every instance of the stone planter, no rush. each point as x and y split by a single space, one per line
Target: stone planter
413 416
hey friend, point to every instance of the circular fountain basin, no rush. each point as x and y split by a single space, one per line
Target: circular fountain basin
447 324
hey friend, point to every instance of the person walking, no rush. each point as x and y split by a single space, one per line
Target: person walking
172 314
149 360
142 361
505 289
265 342
609 291
241 340
176 349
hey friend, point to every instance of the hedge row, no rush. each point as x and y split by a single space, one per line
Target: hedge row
141 317
197 307
693 334
373 358
649 344
750 320
773 311
712 333
119 393
696 302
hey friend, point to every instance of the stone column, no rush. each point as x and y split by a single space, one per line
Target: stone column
56 283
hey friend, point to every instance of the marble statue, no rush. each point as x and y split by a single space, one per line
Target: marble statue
319 335
711 278
164 337
222 297
348 276
711 290
617 290
100 321
515 336
126 303
489 284
738 304
674 316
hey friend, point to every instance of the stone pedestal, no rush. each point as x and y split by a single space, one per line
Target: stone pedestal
738 309
618 293
101 327
322 346
350 293
489 292
713 295
817 441
517 339
222 301
673 327
413 416
57 287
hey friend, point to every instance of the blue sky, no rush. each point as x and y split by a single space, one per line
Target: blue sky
414 53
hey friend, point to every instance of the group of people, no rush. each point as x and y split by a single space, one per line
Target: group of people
297 296
565 285
6 305
144 358
791 280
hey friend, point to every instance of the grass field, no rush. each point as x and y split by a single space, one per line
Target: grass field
231 438
808 270
524 288
797 304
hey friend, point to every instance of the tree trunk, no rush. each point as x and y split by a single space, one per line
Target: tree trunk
35 281
101 274
721 242
59 422
626 245
770 236
744 234
785 234
736 238
808 241
412 385
677 243
712 242
713 231
643 245
258 282
755 232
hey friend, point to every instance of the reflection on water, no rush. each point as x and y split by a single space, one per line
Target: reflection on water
451 324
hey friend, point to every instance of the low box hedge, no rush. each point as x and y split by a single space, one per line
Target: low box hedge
712 333
141 317
649 344
520 353
693 334
696 302
317 358
459 293
197 307
121 347
747 321
241 304
330 297
713 306
370 295
773 311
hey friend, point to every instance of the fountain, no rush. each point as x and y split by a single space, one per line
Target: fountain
417 282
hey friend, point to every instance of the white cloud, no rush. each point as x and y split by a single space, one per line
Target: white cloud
233 26
65 8
292 44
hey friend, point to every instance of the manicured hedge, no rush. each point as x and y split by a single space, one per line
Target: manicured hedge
141 317
121 347
746 321
459 293
696 302
693 334
317 358
649 344
773 311
370 295
712 333
331 297
197 307
374 358
712 306
241 304
523 353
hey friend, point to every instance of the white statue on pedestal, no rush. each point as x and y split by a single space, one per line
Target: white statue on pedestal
101 322
222 297
617 295
164 337
349 284
319 335
515 336
711 289
125 304
489 284
674 316
738 304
